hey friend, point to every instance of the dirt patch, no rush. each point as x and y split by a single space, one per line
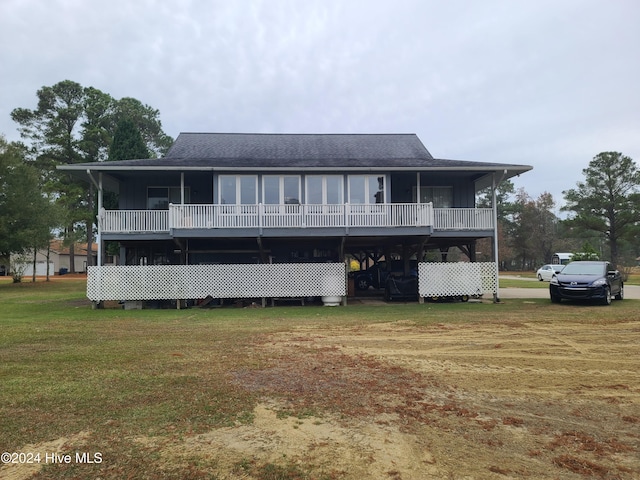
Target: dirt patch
331 446
40 455
535 400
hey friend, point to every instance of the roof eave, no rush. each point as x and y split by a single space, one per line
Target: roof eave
511 170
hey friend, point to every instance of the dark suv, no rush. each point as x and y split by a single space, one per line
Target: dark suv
587 280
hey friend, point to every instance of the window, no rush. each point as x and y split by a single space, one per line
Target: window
238 189
324 189
441 197
366 189
159 198
282 190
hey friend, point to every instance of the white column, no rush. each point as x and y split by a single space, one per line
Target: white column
100 217
494 204
182 188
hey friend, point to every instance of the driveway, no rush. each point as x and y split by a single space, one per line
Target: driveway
630 291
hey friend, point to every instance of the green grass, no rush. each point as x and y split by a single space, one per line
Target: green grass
522 283
65 368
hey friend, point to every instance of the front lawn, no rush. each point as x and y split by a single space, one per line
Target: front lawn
147 389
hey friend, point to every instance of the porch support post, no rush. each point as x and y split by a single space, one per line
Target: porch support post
494 204
420 258
406 262
98 185
181 188
183 254
341 257
261 251
100 194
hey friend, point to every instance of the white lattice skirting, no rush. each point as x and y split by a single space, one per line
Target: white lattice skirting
180 282
456 279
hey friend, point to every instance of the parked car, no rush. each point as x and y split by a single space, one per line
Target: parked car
587 280
545 272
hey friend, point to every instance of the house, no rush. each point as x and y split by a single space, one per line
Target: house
59 259
273 199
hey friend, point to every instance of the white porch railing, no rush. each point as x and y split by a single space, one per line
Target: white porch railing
300 216
134 221
209 216
463 219
213 216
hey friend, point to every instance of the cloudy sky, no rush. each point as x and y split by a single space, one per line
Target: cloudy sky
547 83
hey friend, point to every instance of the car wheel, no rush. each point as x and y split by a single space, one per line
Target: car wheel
464 298
607 296
539 277
362 284
620 295
555 299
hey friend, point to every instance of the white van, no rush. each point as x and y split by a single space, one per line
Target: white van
561 258
564 258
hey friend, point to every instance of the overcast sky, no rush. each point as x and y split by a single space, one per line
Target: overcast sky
547 83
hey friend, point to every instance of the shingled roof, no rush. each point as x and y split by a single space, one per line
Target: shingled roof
304 150
251 151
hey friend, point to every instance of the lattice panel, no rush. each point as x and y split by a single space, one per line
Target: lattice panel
457 278
172 282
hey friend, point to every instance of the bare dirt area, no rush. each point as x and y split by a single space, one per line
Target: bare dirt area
521 400
540 400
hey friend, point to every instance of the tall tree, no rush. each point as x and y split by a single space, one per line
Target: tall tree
53 128
504 207
545 231
147 120
532 229
127 142
26 216
74 124
503 193
521 229
607 201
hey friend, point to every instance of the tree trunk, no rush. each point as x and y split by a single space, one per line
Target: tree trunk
72 253
35 262
613 245
48 258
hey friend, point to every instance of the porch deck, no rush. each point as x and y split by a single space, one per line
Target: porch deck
263 216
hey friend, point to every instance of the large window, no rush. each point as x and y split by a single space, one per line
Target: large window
366 189
281 190
441 197
324 189
159 198
238 189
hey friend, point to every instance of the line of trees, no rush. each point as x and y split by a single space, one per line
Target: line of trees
70 124
602 215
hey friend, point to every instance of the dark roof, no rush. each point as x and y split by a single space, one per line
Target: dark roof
296 148
250 151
